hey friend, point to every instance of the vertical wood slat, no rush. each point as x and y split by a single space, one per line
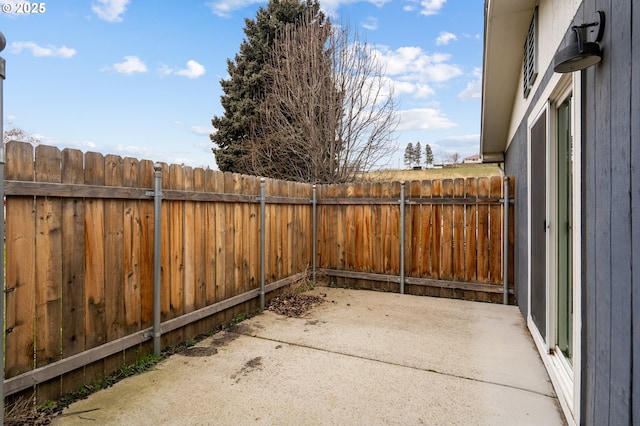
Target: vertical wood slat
176 252
447 237
470 250
73 272
426 232
385 232
394 232
360 243
620 231
95 303
458 231
114 261
215 183
189 245
221 227
131 256
447 231
48 267
483 232
436 251
415 225
202 235
495 232
471 266
376 230
132 250
20 270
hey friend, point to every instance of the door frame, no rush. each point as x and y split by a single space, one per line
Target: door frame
564 376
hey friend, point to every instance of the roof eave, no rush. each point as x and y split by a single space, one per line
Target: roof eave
506 23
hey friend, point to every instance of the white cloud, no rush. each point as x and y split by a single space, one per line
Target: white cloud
418 90
110 10
465 145
413 64
445 37
193 70
474 87
371 23
427 7
201 131
224 8
424 119
40 51
331 6
131 65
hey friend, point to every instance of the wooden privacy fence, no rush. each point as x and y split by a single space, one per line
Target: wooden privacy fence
80 249
79 258
446 241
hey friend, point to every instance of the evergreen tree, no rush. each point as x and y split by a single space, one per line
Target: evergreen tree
408 155
417 154
428 155
245 88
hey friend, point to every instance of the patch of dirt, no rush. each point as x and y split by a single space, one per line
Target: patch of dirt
199 351
293 304
249 366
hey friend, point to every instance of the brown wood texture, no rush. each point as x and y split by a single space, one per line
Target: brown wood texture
48 266
94 228
495 232
80 268
483 233
73 273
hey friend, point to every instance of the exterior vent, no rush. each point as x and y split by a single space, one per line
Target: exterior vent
531 55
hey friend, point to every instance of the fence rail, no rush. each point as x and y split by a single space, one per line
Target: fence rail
79 252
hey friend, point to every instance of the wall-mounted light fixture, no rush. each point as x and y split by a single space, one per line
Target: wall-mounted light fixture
580 53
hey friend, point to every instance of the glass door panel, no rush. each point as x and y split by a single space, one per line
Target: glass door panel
564 332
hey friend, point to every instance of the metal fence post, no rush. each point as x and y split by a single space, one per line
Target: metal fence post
262 232
402 195
314 234
3 43
505 248
157 225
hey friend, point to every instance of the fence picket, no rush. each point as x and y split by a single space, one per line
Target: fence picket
48 266
73 272
458 232
471 250
95 303
495 231
483 232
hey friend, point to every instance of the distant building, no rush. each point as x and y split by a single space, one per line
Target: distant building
474 159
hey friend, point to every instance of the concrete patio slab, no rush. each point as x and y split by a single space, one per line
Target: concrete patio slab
359 358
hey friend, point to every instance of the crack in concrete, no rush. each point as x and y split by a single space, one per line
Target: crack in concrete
427 370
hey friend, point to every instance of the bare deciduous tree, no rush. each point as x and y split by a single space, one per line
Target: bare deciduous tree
14 133
329 108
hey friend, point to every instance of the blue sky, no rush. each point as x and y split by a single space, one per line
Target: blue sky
141 78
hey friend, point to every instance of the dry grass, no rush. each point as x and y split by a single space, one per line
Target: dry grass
460 171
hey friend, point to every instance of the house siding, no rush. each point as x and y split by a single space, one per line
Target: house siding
610 145
611 104
516 166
